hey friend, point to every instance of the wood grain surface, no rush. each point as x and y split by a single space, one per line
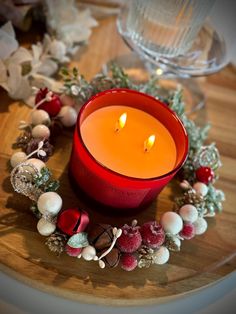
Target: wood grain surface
201 261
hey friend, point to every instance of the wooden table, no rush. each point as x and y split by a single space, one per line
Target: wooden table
202 261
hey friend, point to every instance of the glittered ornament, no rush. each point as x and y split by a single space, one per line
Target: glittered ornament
153 234
53 106
205 175
130 240
72 221
101 236
207 156
188 231
171 222
128 261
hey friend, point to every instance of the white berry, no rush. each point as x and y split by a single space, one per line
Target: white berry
188 213
200 188
68 116
171 222
200 226
39 164
161 256
40 117
17 158
45 227
41 131
89 253
49 203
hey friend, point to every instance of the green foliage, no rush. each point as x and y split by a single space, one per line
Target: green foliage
45 182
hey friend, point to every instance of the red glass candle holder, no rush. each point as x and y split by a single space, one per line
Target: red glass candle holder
109 187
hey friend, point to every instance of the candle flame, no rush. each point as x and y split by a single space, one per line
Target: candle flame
148 144
121 122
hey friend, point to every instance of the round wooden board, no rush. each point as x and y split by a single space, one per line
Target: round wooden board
201 261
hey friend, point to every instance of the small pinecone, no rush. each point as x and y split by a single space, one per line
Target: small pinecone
33 145
191 197
145 255
22 140
56 242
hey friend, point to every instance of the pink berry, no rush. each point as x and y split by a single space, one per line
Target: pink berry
72 251
153 234
188 231
128 262
51 107
130 239
205 174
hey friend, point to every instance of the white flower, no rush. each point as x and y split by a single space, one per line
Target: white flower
8 43
70 25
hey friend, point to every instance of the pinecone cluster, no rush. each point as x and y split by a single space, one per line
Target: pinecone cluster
56 242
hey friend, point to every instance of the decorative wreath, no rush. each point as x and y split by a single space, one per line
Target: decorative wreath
69 230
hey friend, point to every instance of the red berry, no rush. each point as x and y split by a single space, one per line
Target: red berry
128 262
205 174
73 251
130 239
153 234
52 107
188 231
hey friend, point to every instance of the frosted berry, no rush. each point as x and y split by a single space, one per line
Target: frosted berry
205 175
128 262
130 240
188 231
153 234
73 251
53 106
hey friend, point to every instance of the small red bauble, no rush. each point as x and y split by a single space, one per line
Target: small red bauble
128 262
73 251
205 175
72 221
52 107
130 239
153 234
188 231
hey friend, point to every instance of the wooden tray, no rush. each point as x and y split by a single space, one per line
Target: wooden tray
201 261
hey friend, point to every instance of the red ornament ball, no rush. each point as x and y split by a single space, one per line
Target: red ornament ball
153 234
72 221
205 175
73 251
52 107
128 262
188 231
130 239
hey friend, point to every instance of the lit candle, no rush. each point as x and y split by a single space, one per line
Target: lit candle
124 161
125 154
